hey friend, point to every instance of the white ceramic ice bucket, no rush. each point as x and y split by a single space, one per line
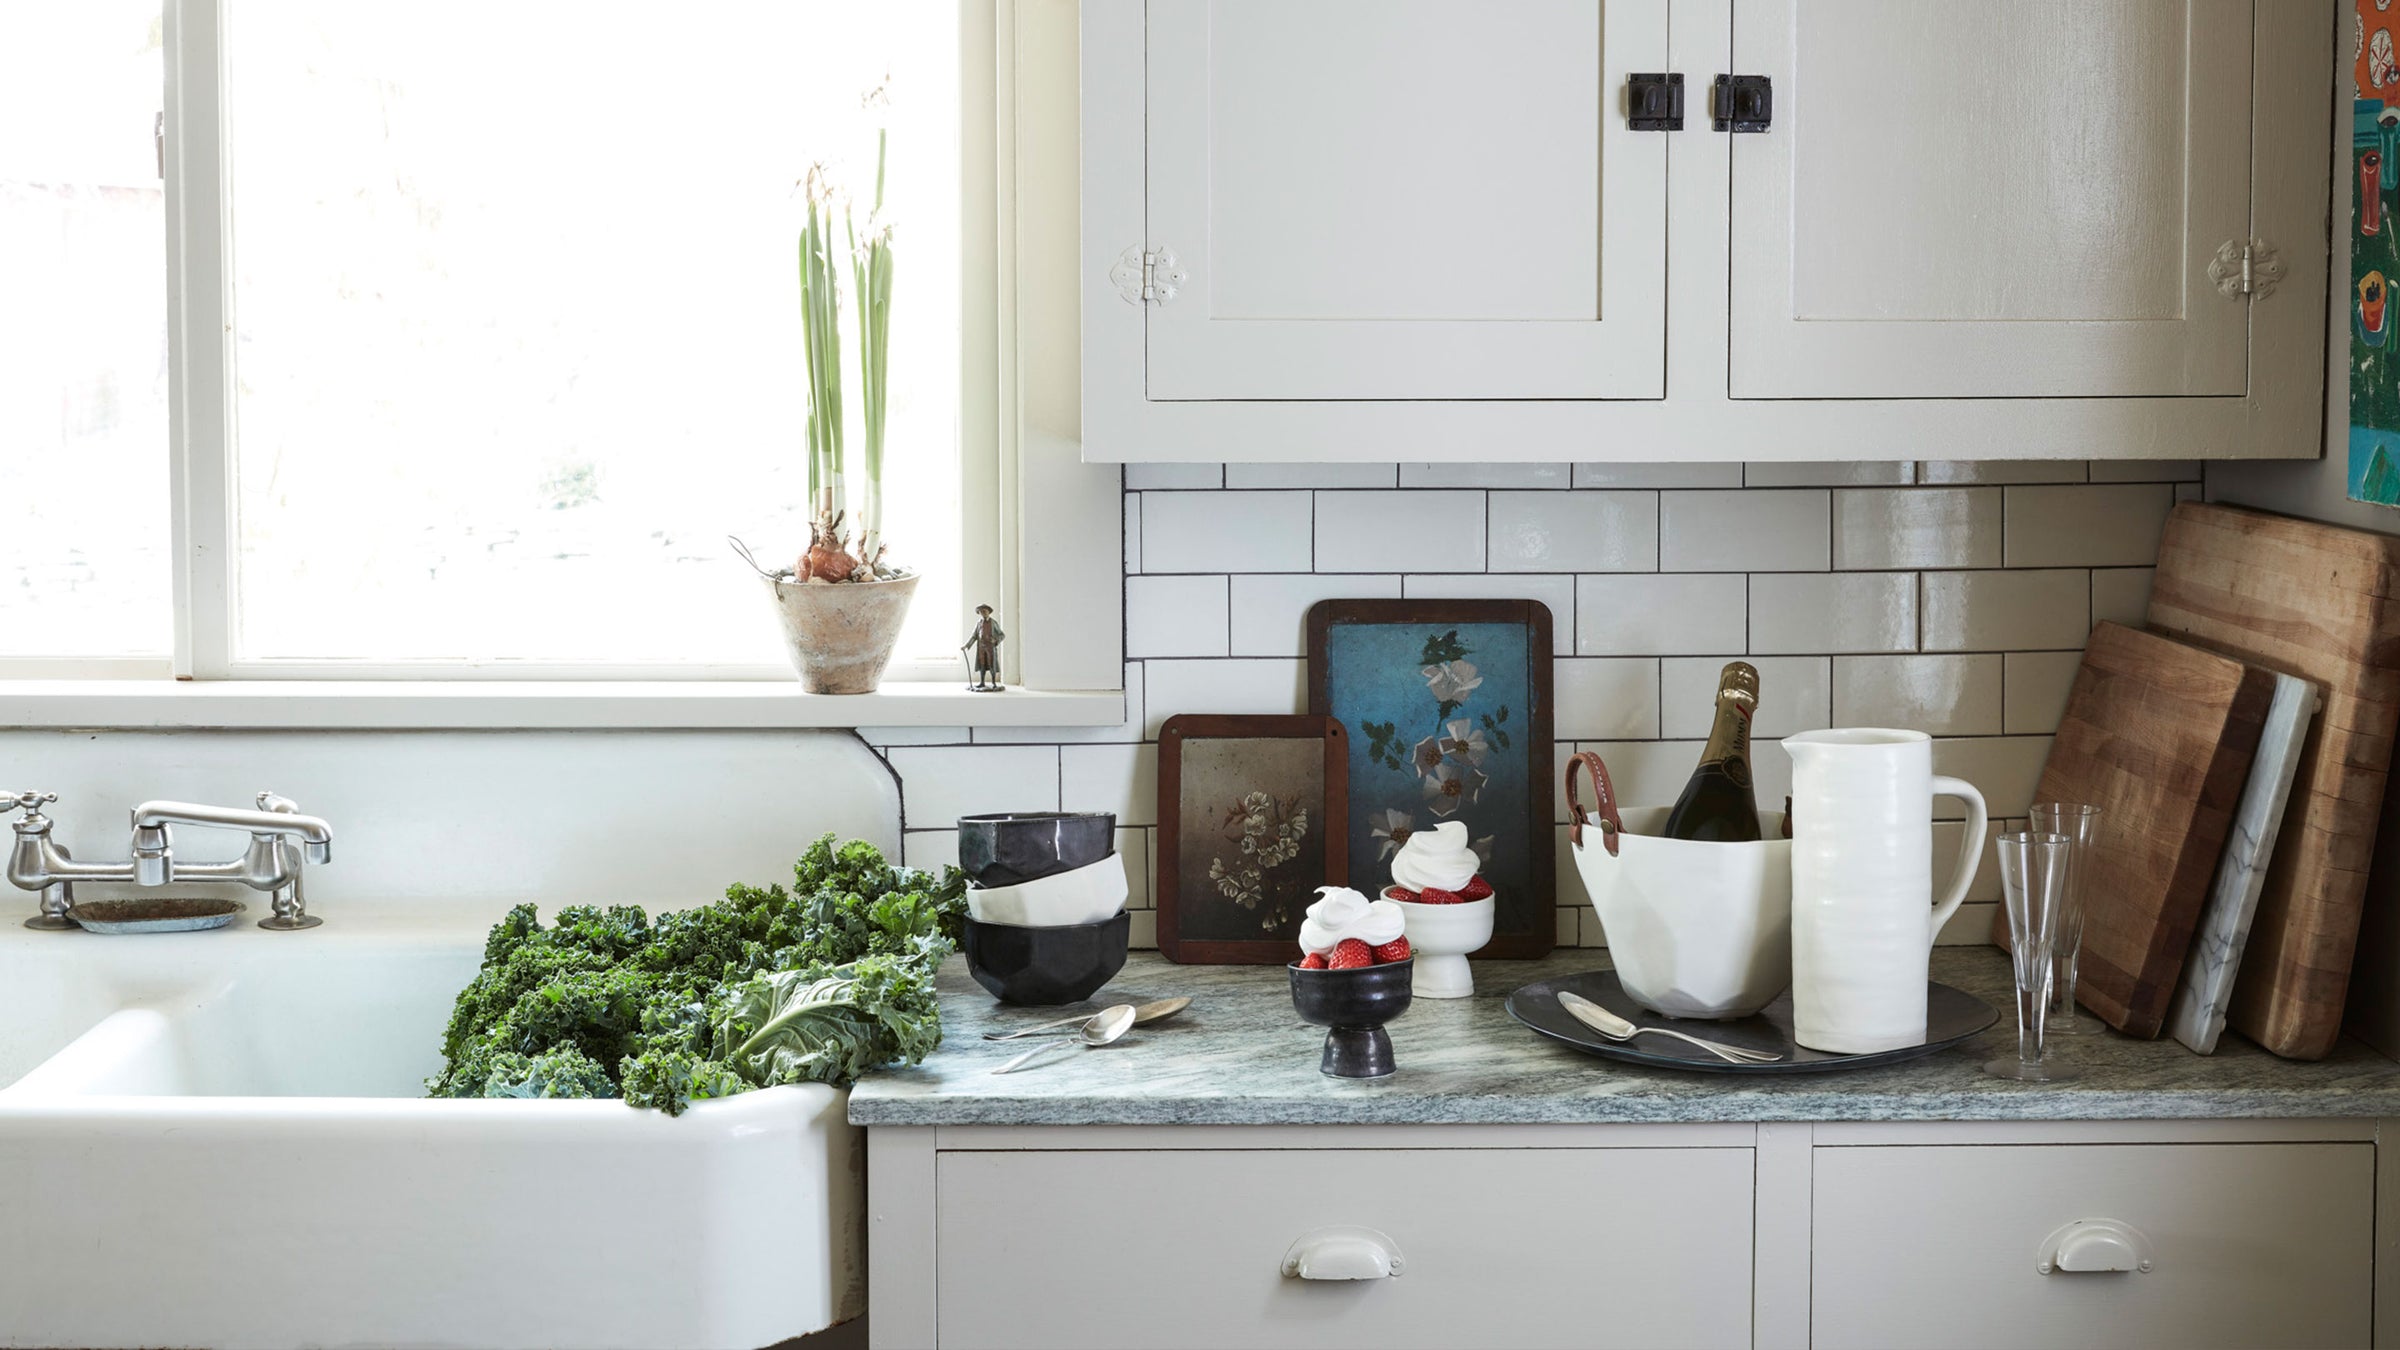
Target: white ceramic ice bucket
1695 929
1863 917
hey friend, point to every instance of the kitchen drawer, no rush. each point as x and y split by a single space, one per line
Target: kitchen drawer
1518 1247
2251 1245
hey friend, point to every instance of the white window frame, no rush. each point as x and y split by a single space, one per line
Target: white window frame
1018 418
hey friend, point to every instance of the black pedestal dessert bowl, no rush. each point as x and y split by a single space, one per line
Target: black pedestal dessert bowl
1353 1005
1045 966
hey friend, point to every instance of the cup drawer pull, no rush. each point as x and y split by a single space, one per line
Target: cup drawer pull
2095 1245
1342 1252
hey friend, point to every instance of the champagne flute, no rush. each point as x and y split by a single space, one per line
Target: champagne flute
2033 885
2079 825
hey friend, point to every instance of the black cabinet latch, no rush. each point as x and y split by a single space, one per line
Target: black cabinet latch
1741 103
1654 102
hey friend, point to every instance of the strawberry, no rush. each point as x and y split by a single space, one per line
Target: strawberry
1435 895
1476 889
1399 893
1349 954
1394 950
1313 961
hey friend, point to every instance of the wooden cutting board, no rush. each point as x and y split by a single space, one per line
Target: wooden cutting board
2158 735
2316 601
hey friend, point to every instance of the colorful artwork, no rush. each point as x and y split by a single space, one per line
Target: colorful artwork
2374 254
1447 707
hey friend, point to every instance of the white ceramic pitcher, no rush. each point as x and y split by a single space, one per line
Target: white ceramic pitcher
1862 883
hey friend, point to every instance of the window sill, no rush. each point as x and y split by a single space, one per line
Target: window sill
522 705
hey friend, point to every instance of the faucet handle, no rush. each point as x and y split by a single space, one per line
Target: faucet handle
29 802
276 802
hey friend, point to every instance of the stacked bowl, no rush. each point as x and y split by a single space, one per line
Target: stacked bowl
1046 920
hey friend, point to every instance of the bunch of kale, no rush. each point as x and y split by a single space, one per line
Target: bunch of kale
816 984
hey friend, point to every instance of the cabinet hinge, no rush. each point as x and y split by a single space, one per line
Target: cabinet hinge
2249 267
1148 276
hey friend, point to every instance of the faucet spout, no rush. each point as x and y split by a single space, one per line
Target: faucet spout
311 830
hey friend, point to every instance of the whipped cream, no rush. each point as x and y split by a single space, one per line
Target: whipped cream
1340 913
1436 859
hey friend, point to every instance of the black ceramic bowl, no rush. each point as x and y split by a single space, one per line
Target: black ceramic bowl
1046 965
1353 1005
1014 847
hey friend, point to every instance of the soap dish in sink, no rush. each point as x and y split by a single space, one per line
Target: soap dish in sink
167 914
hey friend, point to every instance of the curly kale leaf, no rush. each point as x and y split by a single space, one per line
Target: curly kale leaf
610 1002
827 1025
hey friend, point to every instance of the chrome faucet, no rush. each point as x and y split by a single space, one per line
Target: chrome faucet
282 841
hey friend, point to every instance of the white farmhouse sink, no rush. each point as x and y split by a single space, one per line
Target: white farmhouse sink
220 1139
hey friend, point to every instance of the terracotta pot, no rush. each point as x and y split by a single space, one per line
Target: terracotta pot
839 636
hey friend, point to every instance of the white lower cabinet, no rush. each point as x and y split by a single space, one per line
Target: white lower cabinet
1522 1247
2157 1235
2246 1245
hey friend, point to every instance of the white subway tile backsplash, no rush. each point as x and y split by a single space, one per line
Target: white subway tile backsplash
1176 616
2000 471
1604 698
1487 475
2122 594
1270 614
2006 611
2146 471
2038 684
1828 473
941 783
1141 932
1432 531
1151 477
1574 531
1227 686
1646 615
1927 527
1795 693
929 850
1804 612
1558 592
1745 531
1658 475
2005 769
1943 695
1119 778
1226 531
1311 475
1950 596
2088 525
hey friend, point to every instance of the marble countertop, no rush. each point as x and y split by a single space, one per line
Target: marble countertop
1240 1056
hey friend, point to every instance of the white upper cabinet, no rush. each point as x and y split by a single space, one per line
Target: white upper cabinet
2004 200
1937 229
1404 199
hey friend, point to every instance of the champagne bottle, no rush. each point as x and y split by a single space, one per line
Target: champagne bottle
1718 803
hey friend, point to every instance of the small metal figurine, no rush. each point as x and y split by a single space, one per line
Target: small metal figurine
984 643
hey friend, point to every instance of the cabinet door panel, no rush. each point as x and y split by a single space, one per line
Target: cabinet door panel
1405 199
2018 198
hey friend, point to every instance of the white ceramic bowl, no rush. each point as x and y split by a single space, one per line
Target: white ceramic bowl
1695 929
1087 894
1440 937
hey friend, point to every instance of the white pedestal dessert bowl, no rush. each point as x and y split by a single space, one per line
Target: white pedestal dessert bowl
1441 937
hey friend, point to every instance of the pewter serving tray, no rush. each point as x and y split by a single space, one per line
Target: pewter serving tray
1951 1015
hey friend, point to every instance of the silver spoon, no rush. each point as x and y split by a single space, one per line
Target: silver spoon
1143 1015
1618 1029
1107 1026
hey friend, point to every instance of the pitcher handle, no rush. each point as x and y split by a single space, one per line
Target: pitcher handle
1970 849
1605 794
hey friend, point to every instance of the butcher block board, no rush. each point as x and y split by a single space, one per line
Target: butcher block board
2316 601
2159 735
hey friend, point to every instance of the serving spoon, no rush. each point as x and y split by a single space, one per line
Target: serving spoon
1617 1028
1143 1015
1106 1026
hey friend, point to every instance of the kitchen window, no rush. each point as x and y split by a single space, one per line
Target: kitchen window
477 331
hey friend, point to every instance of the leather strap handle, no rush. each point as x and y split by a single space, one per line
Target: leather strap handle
1605 807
